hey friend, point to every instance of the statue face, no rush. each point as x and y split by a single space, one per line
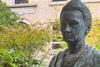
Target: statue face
72 26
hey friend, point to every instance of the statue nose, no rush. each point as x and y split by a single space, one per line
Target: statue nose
68 29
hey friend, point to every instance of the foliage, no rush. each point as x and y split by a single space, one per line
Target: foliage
94 36
56 31
18 42
14 58
56 25
57 36
7 17
18 45
19 37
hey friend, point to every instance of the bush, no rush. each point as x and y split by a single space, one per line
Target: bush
7 17
94 36
18 42
57 37
18 45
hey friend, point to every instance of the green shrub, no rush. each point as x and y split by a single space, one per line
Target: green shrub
93 37
20 37
57 37
18 42
18 45
7 17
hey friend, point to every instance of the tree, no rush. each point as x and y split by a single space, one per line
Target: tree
7 17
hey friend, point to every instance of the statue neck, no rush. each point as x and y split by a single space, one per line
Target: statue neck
75 47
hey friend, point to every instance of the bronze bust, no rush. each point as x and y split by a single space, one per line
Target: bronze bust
76 21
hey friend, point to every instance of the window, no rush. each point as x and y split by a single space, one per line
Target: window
57 0
21 1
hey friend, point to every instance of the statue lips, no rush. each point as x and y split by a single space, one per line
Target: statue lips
68 38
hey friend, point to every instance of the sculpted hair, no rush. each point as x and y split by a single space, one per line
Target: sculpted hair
78 5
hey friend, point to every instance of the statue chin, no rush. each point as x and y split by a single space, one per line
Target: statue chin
69 39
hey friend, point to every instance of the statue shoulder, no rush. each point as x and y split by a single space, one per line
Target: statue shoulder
96 58
57 59
97 53
54 60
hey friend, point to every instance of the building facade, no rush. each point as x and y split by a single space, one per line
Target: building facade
42 11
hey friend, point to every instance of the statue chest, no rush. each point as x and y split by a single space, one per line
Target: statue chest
69 60
82 59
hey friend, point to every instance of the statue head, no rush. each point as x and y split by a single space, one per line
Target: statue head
75 21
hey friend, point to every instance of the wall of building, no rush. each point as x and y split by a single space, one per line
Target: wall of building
26 12
42 11
51 11
8 2
95 9
46 11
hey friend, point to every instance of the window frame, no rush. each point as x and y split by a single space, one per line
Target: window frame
57 1
51 3
91 1
82 0
21 2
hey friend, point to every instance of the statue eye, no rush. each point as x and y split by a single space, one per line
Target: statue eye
76 23
73 23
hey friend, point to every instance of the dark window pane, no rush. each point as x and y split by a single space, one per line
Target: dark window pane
56 46
21 1
58 0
